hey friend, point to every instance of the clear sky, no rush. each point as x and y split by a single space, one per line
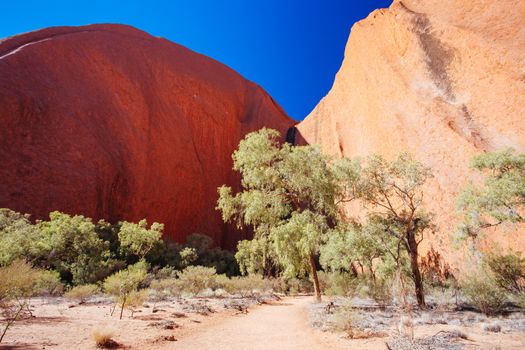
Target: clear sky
292 48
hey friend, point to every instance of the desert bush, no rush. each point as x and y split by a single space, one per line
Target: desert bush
19 282
71 246
278 285
247 286
338 283
17 237
199 250
491 327
345 319
137 240
482 291
379 290
164 288
103 338
121 284
49 283
508 271
188 256
195 279
136 299
297 286
82 293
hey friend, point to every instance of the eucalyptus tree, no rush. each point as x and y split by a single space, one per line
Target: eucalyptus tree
500 198
391 195
288 198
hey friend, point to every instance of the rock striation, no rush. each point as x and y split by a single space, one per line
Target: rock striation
110 122
442 79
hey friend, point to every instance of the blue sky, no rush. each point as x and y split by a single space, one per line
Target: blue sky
292 48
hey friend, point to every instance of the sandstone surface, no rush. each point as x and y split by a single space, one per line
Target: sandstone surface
110 122
442 79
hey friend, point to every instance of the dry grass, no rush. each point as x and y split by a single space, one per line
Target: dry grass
104 338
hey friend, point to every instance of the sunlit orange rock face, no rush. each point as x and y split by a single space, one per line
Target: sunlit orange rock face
110 122
442 79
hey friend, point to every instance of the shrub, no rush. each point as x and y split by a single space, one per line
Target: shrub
492 327
195 279
19 283
103 338
49 283
17 236
338 283
299 286
508 271
121 284
162 289
345 319
379 290
483 292
71 246
188 256
137 240
82 293
136 299
247 286
199 250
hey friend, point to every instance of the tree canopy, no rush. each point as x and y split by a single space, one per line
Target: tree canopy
500 198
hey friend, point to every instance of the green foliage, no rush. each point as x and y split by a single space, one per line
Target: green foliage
338 283
188 256
195 279
288 197
164 288
19 281
508 271
380 290
199 250
253 256
49 283
245 286
82 293
70 245
296 240
17 237
391 192
501 197
123 283
483 292
137 240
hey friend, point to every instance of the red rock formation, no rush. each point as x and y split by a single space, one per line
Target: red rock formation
110 122
442 79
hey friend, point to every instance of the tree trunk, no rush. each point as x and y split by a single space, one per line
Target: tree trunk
315 279
416 274
122 308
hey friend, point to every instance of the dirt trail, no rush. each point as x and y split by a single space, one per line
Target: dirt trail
282 325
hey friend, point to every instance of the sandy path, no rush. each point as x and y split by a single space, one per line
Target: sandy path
282 325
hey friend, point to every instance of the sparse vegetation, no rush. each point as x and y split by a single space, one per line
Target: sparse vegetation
104 338
82 293
125 283
483 292
20 281
195 279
